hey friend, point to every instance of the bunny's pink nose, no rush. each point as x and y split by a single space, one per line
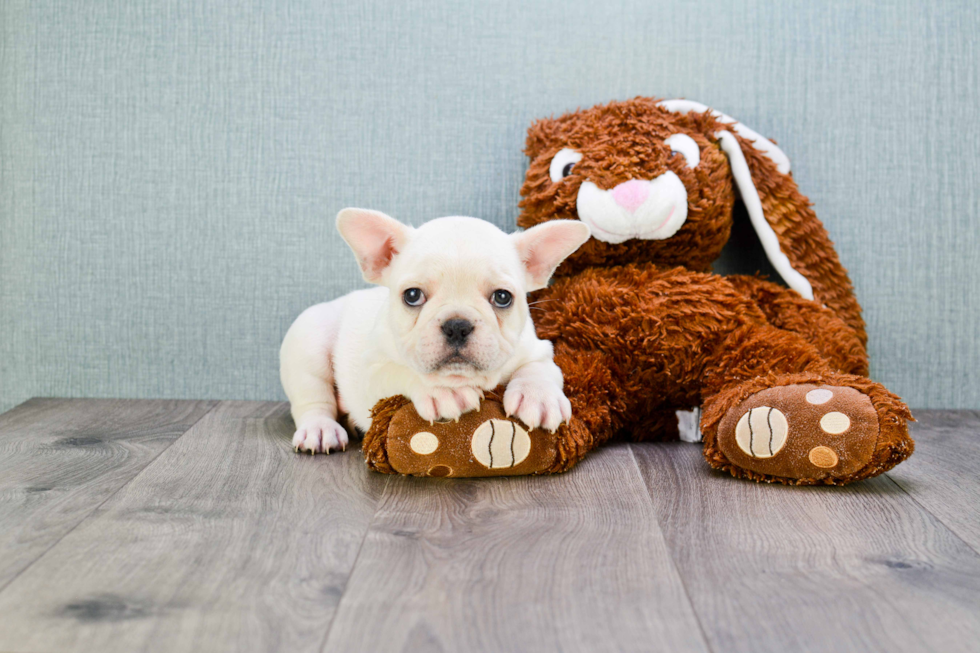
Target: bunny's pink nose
631 194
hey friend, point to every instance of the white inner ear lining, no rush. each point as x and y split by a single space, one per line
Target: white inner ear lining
760 142
753 205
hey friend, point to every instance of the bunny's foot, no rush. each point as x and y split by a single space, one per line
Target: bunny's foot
484 442
806 430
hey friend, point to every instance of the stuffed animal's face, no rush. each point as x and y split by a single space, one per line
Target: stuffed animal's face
651 184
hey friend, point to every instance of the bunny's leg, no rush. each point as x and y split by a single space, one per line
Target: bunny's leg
839 343
835 341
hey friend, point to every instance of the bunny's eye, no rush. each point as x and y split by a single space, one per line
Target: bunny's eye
562 164
685 146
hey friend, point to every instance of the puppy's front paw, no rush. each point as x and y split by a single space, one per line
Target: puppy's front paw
539 404
319 434
442 404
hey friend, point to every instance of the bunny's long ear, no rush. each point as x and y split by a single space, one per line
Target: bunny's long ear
795 241
759 141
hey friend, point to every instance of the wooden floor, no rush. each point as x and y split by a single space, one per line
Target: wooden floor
192 526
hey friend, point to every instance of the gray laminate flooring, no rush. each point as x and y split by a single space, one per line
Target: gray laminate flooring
132 525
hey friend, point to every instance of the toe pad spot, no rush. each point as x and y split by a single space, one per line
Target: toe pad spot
500 443
823 457
835 423
424 443
819 396
761 432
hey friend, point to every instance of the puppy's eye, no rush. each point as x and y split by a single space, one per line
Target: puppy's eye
413 297
501 298
685 146
562 164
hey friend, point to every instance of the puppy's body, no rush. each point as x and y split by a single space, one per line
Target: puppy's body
345 355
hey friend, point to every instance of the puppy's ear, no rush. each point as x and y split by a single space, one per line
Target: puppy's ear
543 247
375 238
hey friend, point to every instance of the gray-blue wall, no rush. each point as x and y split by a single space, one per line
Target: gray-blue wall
169 171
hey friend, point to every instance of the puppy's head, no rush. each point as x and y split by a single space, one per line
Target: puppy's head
458 300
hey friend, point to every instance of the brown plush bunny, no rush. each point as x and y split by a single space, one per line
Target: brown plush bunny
644 332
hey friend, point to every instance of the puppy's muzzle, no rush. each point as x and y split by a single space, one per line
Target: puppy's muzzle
457 331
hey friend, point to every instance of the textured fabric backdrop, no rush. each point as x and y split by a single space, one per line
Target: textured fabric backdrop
169 171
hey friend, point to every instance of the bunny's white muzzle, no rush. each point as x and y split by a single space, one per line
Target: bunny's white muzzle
647 210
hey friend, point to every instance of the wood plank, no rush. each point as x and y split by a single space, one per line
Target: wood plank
61 458
574 562
229 541
943 475
776 568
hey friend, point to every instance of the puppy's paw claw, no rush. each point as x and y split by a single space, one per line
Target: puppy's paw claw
445 404
537 404
319 434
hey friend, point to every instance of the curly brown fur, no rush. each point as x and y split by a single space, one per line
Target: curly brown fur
374 445
633 340
785 309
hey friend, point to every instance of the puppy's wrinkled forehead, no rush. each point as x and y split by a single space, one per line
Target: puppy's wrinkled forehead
461 248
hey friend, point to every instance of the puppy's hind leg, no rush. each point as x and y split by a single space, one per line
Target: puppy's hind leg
306 372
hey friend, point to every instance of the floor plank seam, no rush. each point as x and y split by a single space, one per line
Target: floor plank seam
670 553
931 513
95 509
357 557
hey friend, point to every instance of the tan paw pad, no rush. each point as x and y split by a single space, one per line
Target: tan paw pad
819 396
835 423
424 443
500 443
823 457
762 432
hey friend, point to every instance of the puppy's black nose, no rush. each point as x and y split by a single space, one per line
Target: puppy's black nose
456 331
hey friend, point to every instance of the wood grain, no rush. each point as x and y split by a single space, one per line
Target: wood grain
777 568
61 458
119 533
944 473
229 541
574 562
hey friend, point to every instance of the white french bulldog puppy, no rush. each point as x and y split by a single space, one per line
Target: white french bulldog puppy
449 320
